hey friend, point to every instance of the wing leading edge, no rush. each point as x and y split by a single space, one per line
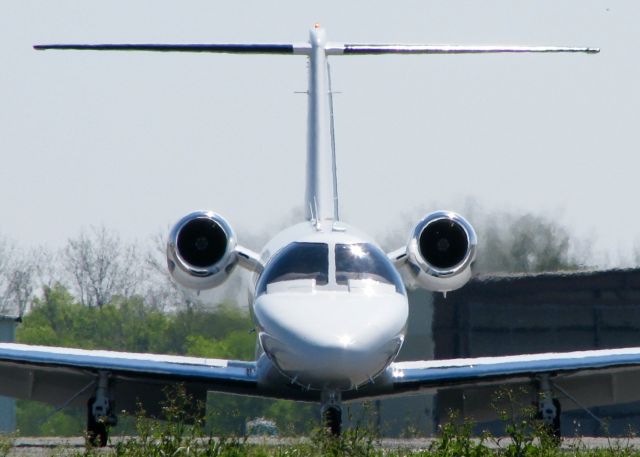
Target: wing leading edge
64 376
143 375
131 364
419 375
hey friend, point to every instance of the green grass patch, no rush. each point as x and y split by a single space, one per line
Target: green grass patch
182 435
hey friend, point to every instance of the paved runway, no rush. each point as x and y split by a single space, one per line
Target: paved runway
46 446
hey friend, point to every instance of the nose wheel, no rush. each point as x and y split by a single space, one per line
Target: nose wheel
332 418
332 412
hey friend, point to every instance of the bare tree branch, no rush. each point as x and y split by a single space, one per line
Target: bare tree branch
101 266
17 273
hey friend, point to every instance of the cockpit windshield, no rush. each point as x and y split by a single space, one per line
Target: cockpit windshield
365 261
297 261
311 262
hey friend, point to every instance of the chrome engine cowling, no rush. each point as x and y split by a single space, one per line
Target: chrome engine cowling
441 250
201 250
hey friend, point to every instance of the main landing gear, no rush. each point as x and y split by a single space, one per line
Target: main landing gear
332 412
100 415
548 407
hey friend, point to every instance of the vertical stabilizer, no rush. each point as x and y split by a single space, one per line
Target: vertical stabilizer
321 196
321 192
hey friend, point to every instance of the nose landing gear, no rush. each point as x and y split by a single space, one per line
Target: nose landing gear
331 412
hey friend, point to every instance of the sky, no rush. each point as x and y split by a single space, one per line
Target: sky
134 141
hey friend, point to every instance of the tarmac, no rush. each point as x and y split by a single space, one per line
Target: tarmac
47 446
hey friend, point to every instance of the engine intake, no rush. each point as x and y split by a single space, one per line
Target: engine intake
201 250
441 250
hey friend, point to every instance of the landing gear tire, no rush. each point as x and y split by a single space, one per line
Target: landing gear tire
549 408
554 427
97 433
332 417
550 417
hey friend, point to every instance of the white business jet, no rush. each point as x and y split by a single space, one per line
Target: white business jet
330 307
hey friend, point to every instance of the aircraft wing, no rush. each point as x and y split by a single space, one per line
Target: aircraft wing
64 376
433 374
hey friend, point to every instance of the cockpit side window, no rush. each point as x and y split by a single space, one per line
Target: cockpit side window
297 261
365 261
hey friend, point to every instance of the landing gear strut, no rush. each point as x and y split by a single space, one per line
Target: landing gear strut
549 408
99 413
332 412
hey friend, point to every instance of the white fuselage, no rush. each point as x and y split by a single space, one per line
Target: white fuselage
335 329
330 308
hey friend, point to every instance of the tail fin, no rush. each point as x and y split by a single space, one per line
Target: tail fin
321 198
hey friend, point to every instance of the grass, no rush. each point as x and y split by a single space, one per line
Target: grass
6 444
180 435
454 440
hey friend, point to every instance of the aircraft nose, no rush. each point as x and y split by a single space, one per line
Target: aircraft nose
332 340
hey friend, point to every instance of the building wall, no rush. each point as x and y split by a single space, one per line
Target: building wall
7 405
541 313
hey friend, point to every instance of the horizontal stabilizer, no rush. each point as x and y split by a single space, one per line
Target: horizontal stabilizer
219 48
305 48
452 49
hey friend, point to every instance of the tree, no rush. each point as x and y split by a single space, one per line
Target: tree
17 273
509 243
101 266
57 319
524 243
162 292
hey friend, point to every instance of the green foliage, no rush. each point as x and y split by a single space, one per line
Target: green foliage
228 414
130 325
211 333
528 435
356 442
524 244
238 344
292 418
57 319
456 440
36 419
6 444
183 435
173 437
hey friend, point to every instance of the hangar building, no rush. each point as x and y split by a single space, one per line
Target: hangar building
8 405
515 314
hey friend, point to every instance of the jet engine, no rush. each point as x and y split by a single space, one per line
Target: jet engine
201 250
441 250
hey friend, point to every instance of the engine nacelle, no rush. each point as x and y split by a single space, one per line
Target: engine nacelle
201 250
441 250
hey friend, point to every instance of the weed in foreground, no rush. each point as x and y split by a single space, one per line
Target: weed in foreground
354 442
182 434
6 443
526 432
179 434
456 439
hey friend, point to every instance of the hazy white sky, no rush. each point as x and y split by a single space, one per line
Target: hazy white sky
136 140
